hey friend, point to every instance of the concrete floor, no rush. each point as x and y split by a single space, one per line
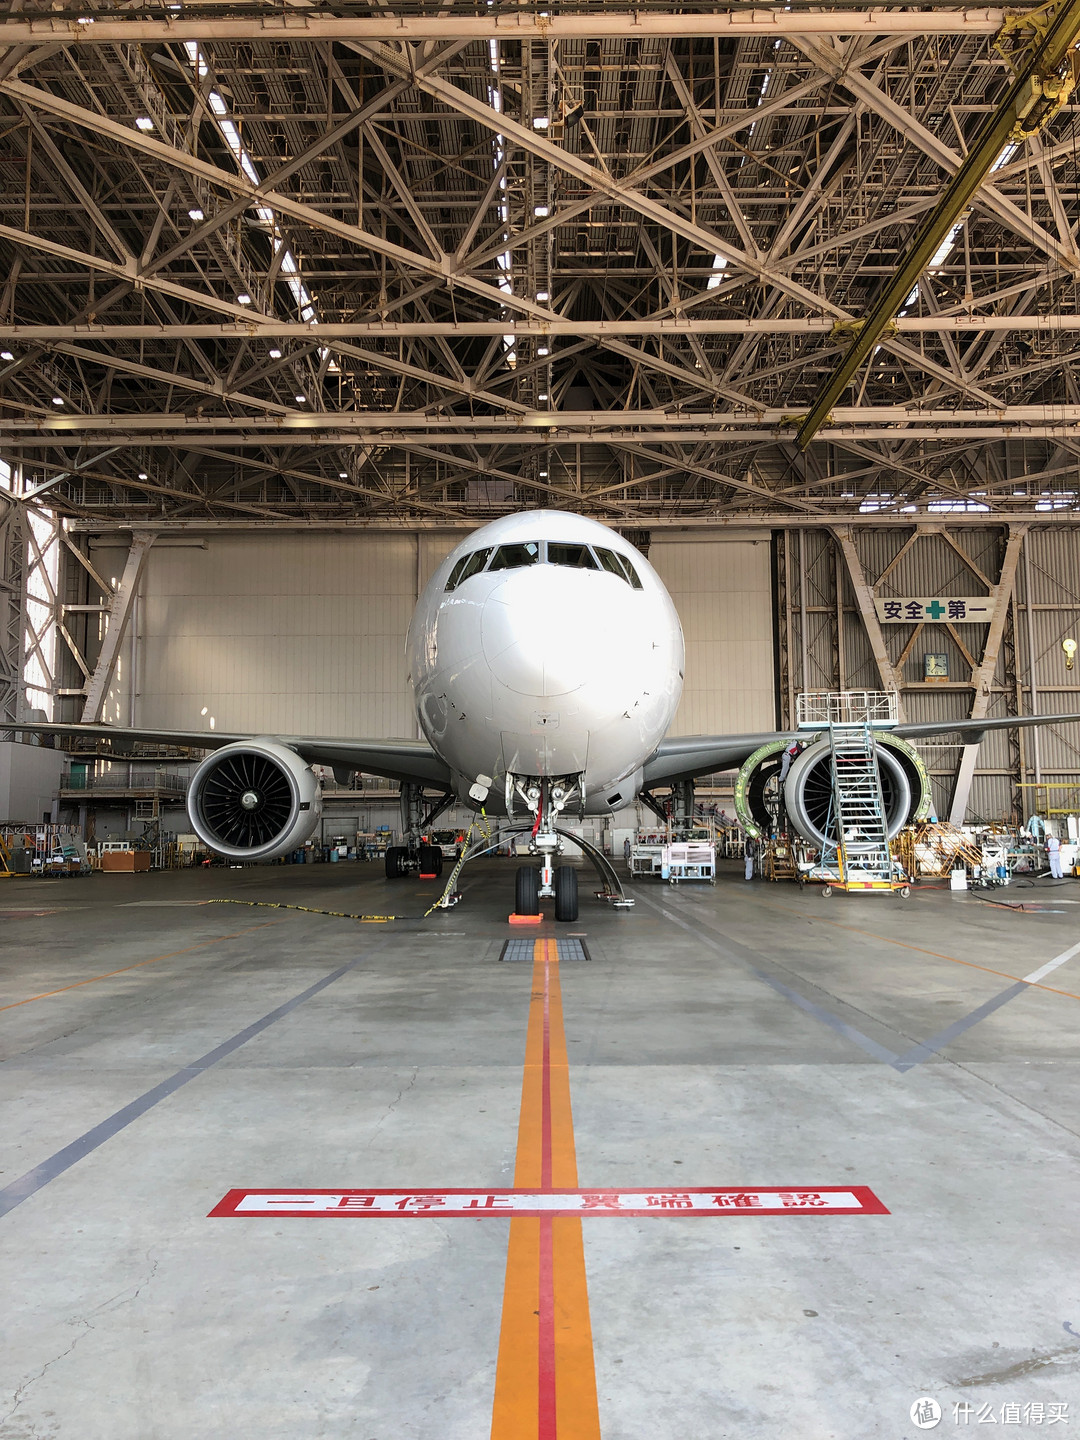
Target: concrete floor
742 1035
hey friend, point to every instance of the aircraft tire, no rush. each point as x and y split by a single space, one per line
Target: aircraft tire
566 893
431 860
395 856
527 891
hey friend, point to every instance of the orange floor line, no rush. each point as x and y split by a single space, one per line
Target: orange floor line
169 955
545 1382
919 950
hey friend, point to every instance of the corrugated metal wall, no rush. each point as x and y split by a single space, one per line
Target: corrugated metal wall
298 633
306 633
721 589
836 652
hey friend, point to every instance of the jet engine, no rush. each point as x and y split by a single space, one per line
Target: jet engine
808 789
254 800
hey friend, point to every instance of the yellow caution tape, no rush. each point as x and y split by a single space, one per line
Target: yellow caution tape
310 910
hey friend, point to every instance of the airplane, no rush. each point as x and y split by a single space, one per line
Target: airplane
546 660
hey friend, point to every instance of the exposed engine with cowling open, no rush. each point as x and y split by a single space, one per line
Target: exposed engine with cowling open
806 793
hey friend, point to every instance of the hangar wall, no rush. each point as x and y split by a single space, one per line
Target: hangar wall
824 644
305 633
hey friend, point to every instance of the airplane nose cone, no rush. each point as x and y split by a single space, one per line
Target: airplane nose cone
547 637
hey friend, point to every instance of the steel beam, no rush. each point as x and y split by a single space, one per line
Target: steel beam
983 678
864 599
1047 56
667 326
295 26
119 615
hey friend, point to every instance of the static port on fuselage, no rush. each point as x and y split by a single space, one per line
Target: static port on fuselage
545 644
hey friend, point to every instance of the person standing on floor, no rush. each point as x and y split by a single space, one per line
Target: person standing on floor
748 852
1053 854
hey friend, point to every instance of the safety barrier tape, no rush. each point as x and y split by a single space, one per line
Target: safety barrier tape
310 910
370 919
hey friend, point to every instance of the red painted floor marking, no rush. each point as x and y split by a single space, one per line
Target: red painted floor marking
546 1204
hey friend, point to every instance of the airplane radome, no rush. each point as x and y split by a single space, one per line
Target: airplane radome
545 645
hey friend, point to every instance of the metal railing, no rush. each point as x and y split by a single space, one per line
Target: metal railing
815 708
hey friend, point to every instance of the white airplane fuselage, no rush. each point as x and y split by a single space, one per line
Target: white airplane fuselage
567 661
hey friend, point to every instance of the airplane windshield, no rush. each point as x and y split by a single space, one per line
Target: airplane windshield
466 566
513 557
579 557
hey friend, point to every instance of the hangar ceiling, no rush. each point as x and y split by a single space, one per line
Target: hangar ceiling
347 264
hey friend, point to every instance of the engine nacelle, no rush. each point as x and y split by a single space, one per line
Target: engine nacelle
808 794
254 800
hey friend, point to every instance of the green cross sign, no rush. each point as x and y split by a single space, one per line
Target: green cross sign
935 609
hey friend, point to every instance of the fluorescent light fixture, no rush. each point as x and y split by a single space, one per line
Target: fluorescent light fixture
300 399
57 399
543 474
541 210
144 123
6 355
342 474
243 299
540 122
542 350
542 397
143 475
196 214
542 295
275 353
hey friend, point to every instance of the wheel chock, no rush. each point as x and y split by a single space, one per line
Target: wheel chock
525 919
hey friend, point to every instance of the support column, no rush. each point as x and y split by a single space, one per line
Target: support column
983 678
119 615
864 599
12 607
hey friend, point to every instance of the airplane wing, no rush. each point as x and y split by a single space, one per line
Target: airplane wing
412 761
682 757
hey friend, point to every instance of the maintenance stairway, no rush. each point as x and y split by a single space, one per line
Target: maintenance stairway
865 860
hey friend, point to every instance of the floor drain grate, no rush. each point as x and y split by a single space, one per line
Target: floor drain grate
522 950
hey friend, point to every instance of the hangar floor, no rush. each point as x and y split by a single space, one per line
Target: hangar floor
159 1052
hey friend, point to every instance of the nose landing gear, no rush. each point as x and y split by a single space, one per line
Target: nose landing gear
546 799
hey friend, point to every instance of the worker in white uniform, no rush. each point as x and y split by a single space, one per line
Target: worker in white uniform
786 758
1053 854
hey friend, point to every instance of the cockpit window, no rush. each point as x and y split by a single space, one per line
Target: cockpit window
618 565
631 573
610 561
466 566
513 557
579 557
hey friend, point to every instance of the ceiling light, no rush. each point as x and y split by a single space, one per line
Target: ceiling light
144 123
275 353
542 350
196 214
243 299
300 399
541 210
6 355
543 474
342 474
57 399
540 122
143 475
542 397
542 295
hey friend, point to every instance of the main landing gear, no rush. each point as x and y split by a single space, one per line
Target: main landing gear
416 856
